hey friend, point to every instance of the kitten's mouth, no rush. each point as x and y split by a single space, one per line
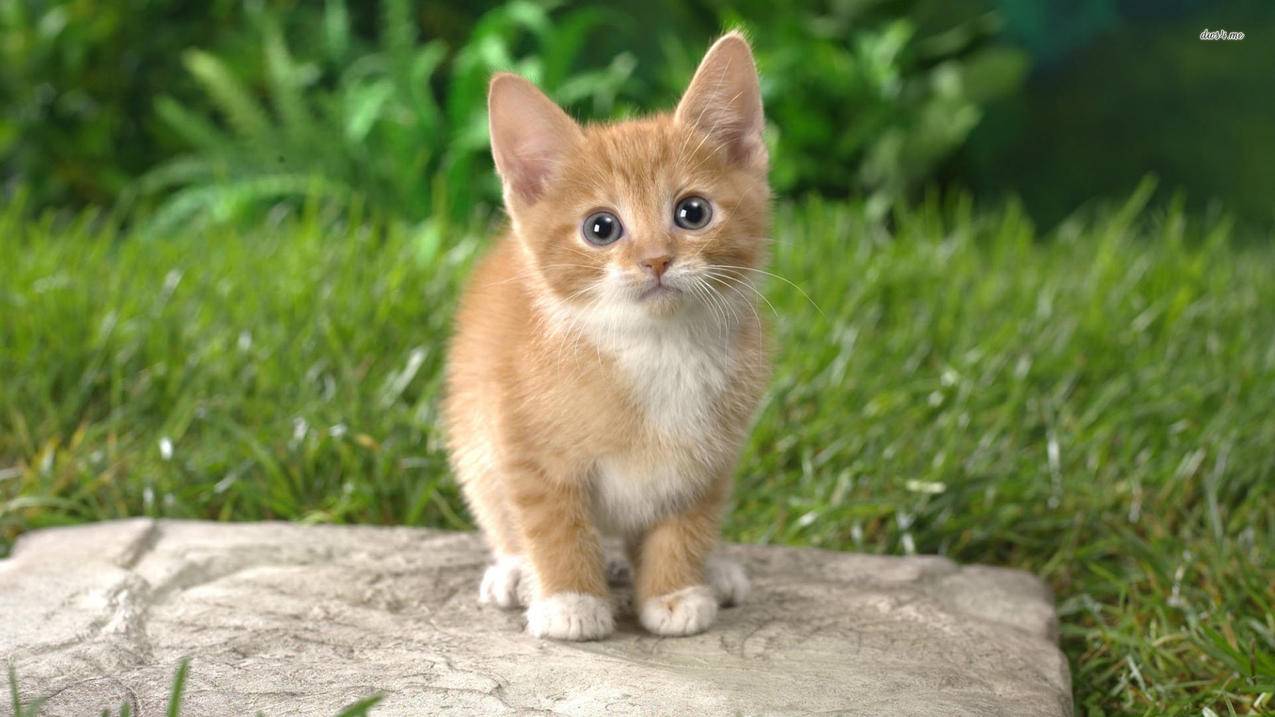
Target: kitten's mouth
657 290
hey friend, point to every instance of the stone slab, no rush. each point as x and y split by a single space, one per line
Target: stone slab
289 619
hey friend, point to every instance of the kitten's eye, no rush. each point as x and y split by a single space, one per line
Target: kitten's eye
602 228
693 213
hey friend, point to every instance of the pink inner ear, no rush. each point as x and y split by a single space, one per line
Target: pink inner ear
736 129
532 169
530 136
724 101
743 144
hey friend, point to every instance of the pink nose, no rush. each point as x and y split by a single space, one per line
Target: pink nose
657 265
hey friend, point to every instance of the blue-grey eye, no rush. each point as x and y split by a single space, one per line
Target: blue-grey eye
693 213
602 228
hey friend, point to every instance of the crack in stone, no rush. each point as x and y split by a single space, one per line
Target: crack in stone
144 544
497 694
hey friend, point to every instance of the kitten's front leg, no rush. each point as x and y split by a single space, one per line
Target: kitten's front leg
571 598
672 585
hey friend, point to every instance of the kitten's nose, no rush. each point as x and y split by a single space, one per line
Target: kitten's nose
657 265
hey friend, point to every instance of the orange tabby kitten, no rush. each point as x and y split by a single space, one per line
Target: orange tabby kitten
608 355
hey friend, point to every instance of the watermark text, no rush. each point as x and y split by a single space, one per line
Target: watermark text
1220 35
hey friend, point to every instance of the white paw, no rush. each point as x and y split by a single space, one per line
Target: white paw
728 579
685 612
500 582
570 616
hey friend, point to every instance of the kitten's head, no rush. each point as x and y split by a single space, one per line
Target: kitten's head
643 218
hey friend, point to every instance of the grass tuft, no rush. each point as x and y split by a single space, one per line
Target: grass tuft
179 687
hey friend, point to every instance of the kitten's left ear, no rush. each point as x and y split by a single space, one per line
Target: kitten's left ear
724 101
530 136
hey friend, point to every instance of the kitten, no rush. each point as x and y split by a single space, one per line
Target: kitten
609 356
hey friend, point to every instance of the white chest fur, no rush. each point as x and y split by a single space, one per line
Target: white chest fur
632 492
675 368
677 378
676 371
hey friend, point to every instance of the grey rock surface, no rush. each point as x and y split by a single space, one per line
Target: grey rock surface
303 620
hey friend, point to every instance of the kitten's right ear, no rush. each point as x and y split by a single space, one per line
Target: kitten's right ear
724 101
530 136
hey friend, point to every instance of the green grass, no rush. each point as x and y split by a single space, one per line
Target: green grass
1096 406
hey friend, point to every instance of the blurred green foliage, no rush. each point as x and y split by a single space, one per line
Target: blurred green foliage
77 81
236 105
398 123
210 111
859 100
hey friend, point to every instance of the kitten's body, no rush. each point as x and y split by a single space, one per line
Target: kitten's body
581 399
656 411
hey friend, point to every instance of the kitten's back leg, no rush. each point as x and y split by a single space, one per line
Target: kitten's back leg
476 470
505 576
